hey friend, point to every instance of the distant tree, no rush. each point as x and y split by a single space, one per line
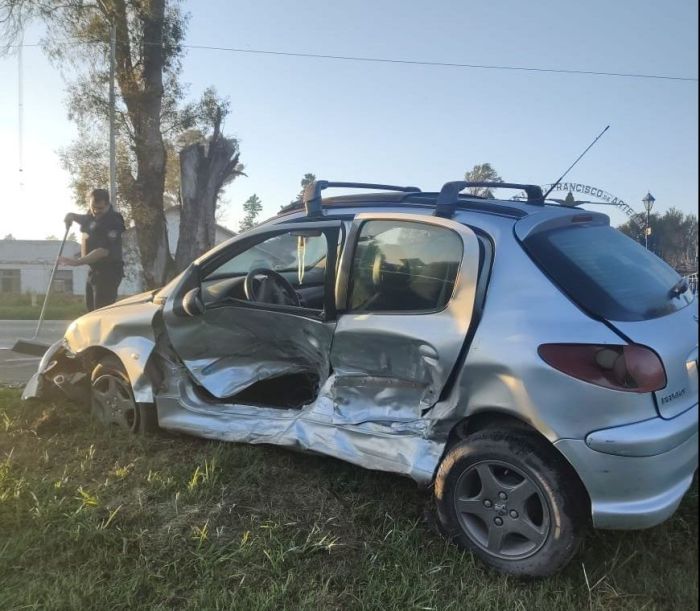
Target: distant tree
9 236
674 237
252 208
70 238
307 180
482 173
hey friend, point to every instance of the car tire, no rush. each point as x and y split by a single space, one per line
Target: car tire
512 500
112 400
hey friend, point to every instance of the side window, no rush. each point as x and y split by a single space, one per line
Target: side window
404 266
300 260
280 253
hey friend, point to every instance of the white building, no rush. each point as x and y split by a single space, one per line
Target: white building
133 274
25 267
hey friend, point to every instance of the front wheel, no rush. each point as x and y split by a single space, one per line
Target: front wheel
112 399
508 497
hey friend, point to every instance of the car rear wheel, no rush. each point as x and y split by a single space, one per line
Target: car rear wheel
112 399
508 497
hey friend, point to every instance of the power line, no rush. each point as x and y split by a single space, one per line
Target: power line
410 62
443 64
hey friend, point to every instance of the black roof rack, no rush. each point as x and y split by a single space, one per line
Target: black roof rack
312 192
448 198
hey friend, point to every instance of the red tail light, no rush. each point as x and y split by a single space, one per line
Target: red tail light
631 368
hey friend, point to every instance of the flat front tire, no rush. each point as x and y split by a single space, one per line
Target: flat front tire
511 500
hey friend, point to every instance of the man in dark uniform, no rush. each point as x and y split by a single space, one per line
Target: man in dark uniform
101 249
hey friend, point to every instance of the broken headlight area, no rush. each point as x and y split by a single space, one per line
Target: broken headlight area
61 374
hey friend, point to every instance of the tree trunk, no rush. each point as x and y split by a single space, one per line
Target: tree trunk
203 171
197 214
143 98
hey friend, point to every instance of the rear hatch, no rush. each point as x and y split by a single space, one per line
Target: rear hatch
614 278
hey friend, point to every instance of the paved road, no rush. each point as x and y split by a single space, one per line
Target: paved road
12 330
16 368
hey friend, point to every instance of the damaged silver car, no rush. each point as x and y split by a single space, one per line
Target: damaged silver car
531 364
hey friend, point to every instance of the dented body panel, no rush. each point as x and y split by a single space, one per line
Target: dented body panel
232 349
124 329
391 388
386 446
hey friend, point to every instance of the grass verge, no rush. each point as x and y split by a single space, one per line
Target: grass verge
59 307
91 518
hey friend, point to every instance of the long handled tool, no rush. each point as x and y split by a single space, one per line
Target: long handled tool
31 346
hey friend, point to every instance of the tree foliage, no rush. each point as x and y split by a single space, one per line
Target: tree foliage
252 208
305 181
148 51
150 113
482 173
674 238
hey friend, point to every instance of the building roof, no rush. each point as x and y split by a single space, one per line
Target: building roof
16 252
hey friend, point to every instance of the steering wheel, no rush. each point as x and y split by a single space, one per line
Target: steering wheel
278 287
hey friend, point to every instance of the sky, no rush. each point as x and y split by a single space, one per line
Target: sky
406 124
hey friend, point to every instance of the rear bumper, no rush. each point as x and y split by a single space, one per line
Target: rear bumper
640 478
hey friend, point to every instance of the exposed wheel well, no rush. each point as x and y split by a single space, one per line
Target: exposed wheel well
487 420
506 422
93 355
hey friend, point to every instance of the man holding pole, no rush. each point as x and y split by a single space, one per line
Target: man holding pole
101 249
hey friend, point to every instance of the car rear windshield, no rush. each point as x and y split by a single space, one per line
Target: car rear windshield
607 273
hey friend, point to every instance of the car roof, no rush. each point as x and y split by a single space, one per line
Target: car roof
514 209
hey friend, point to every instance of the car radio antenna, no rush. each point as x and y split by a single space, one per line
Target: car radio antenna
574 163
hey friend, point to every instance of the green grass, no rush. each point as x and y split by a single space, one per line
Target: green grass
60 307
94 519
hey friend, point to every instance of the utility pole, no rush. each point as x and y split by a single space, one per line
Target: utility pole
648 202
112 135
20 111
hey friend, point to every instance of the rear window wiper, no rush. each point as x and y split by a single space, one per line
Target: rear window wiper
679 288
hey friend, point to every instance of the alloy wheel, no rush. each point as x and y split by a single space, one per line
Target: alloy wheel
113 402
502 510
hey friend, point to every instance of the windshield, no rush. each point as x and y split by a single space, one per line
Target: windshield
281 253
608 273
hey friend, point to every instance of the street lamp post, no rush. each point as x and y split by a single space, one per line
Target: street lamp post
648 202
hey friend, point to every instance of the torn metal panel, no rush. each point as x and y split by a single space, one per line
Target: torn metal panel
359 399
35 388
228 348
394 446
60 372
124 329
376 362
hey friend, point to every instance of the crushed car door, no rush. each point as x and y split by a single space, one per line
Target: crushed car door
260 309
405 294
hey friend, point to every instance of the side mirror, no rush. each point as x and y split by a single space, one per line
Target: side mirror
192 303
